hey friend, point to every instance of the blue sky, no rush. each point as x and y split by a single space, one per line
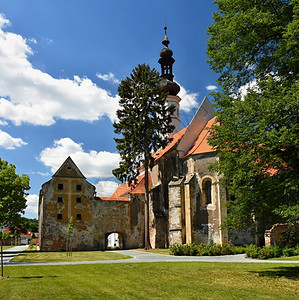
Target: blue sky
60 66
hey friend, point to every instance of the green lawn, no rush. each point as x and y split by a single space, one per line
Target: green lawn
7 247
157 251
62 256
294 258
180 280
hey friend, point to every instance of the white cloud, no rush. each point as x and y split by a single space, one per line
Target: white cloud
32 203
43 174
8 142
91 164
211 87
243 90
3 123
3 21
108 77
189 100
30 95
106 188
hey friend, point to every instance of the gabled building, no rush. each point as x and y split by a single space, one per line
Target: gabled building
68 194
185 204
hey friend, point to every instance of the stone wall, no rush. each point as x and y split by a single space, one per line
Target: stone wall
275 235
204 218
67 195
123 217
57 206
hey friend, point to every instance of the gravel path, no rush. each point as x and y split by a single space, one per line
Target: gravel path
12 252
147 257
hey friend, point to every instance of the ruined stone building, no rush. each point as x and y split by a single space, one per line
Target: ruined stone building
185 205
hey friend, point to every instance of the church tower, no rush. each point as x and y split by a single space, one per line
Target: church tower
166 61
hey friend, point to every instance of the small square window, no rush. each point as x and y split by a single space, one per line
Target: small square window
60 186
78 200
78 217
78 187
60 199
59 216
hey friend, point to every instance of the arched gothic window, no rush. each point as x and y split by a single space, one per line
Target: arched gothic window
207 191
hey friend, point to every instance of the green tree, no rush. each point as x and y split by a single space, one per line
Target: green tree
70 231
144 124
255 44
12 198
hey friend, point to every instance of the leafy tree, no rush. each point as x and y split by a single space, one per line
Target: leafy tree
255 44
12 198
28 223
70 231
144 123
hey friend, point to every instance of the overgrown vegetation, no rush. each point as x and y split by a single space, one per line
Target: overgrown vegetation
251 251
205 249
270 251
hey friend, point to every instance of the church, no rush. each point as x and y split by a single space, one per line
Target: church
185 205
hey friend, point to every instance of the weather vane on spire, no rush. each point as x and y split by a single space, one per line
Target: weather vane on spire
165 28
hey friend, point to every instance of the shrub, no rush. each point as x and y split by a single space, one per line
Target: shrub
269 252
289 251
263 253
238 249
205 249
193 249
252 251
176 249
215 250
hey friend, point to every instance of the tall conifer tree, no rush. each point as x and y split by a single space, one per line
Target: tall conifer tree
144 123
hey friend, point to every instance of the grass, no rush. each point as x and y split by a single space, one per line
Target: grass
167 280
28 256
293 258
7 247
157 251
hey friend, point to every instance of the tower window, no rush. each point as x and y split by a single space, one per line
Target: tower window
59 216
78 188
79 217
60 199
78 200
60 186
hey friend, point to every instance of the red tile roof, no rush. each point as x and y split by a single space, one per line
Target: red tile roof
175 140
140 187
201 144
123 191
114 198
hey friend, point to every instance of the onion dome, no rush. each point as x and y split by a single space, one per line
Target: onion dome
166 61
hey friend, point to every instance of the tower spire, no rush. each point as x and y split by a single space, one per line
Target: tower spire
166 61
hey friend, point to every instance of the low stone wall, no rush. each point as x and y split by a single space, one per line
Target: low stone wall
274 236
